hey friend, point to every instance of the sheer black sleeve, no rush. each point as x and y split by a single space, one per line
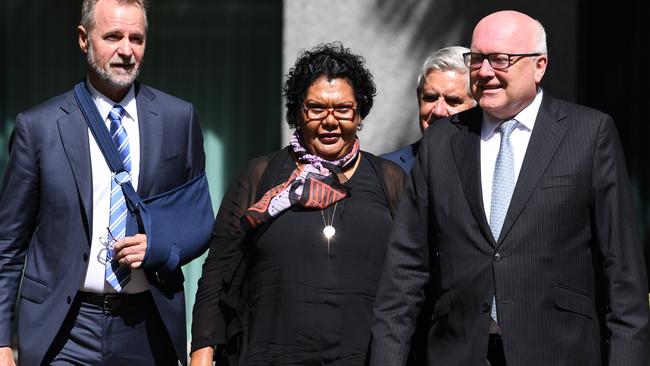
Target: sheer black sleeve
228 242
208 325
393 179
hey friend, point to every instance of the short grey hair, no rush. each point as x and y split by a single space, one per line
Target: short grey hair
88 12
445 59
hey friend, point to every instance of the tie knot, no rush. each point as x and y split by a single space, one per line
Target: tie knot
507 127
117 112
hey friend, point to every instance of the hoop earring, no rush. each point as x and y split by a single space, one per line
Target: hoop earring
360 126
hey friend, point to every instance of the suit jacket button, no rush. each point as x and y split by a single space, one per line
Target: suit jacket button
69 299
85 257
497 257
486 307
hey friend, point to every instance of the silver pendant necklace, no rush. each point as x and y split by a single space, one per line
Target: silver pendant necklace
328 229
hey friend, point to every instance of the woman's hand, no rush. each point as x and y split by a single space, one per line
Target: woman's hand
202 357
7 356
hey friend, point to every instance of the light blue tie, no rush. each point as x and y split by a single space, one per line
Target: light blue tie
118 276
503 184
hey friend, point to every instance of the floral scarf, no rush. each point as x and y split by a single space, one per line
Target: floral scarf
317 184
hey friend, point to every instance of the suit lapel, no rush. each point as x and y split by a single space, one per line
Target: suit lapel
73 131
467 155
550 127
151 137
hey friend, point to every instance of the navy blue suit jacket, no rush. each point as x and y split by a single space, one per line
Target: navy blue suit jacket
404 157
46 212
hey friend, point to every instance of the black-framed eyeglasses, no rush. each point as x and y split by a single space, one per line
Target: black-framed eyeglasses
498 61
316 113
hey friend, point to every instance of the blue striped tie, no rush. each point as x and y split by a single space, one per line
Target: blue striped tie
503 184
118 276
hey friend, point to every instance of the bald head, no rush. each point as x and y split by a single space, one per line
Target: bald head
518 39
512 31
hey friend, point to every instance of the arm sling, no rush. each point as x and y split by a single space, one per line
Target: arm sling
178 223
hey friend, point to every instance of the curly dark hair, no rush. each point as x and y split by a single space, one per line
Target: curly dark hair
333 61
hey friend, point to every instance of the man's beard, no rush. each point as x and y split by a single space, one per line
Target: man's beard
110 77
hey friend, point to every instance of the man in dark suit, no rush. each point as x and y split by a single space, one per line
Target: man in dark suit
517 228
442 91
59 220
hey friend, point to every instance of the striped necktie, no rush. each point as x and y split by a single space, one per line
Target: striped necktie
118 276
503 184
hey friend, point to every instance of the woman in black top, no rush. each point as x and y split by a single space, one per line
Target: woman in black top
299 241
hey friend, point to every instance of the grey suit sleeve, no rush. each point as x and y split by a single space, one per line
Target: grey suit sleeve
18 212
617 235
405 274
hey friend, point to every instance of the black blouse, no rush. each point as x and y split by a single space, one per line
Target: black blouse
306 302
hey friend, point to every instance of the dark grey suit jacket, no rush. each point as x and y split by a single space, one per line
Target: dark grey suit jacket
46 211
568 269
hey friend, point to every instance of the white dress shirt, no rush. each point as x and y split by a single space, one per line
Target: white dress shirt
94 280
491 141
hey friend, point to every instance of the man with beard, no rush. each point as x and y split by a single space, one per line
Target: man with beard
84 297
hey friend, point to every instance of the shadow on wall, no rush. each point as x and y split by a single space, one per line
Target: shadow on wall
430 19
439 16
430 25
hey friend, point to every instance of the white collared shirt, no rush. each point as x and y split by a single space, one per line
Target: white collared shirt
491 141
94 280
